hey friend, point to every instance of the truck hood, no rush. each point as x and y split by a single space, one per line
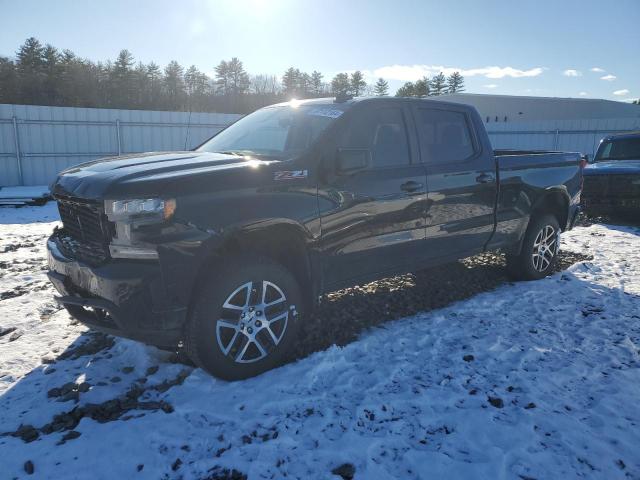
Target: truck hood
615 167
146 174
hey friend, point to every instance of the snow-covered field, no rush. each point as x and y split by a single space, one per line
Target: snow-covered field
535 380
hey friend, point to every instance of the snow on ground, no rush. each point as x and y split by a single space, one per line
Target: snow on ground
529 381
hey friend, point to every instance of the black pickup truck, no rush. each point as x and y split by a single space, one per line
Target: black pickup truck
223 249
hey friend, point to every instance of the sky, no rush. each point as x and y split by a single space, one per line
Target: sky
564 48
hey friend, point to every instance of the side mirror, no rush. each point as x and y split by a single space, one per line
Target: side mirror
351 160
586 158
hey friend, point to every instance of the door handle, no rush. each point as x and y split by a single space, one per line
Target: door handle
485 178
411 186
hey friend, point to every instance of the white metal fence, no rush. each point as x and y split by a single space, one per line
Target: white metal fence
566 135
37 142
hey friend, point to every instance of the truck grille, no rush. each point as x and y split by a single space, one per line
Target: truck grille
602 186
86 231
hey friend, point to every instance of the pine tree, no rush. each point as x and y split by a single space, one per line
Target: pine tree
30 71
190 79
222 77
141 85
154 89
51 70
8 81
72 87
290 82
191 84
439 84
122 84
304 84
30 55
316 83
381 88
422 88
174 84
357 83
455 83
340 85
238 77
406 90
196 84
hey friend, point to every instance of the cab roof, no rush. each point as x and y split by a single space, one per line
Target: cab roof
635 134
370 99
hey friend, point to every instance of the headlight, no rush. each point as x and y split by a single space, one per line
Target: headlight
142 209
128 215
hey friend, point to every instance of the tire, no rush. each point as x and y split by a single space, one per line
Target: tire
535 261
236 332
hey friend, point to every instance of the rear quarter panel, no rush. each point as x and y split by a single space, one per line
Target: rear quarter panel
524 182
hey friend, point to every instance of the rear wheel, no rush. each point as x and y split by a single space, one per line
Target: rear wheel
539 250
244 319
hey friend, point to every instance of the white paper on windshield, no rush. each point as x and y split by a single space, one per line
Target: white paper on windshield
325 112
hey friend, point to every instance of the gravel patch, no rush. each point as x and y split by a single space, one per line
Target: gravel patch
345 314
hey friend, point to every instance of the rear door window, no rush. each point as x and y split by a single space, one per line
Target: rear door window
444 135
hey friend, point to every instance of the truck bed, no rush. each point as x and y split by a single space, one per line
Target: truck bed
535 159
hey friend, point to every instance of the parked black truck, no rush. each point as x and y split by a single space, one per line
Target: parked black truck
224 249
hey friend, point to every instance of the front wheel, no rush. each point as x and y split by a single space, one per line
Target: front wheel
539 250
244 319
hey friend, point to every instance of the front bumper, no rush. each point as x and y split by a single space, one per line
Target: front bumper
127 298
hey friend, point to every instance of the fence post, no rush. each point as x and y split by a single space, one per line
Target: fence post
557 140
16 140
118 137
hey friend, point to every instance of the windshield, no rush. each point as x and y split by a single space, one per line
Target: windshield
619 149
278 132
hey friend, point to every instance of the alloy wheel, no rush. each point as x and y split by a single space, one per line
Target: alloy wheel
253 321
545 247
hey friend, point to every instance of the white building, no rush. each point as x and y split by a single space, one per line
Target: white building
549 123
509 108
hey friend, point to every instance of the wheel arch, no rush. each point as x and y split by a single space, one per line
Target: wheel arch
554 201
281 240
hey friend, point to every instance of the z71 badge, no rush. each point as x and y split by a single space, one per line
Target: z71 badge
291 175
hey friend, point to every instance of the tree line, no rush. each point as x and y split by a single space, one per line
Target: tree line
438 85
44 75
